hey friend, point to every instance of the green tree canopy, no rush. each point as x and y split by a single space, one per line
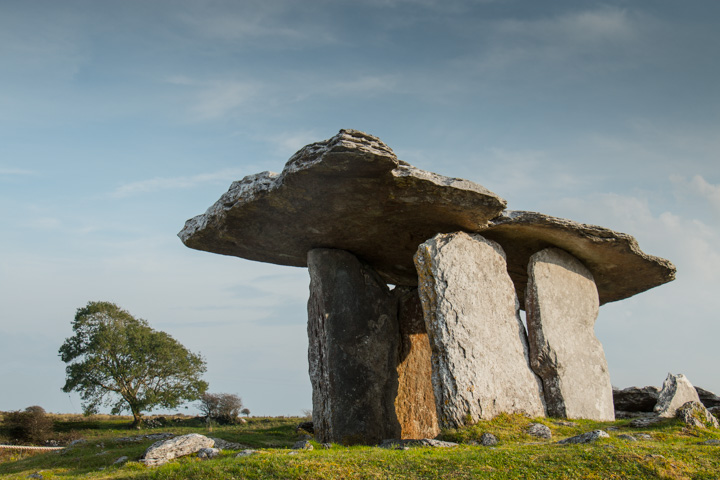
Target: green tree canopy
117 360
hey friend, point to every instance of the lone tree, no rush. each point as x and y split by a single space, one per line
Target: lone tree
117 360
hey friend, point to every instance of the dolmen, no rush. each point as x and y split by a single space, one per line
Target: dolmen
416 285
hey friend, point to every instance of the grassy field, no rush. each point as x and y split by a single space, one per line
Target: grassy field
672 452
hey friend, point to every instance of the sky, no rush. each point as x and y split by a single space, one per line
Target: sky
121 119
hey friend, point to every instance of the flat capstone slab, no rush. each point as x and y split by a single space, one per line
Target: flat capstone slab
617 264
350 193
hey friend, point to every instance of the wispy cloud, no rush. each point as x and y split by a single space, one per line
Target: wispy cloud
698 186
15 171
173 183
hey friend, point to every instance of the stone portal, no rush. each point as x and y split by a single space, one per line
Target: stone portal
562 306
479 347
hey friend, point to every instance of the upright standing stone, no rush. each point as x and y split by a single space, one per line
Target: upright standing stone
415 401
480 358
353 344
676 392
562 306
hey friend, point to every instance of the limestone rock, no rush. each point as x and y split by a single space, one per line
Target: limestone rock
617 264
635 399
353 343
488 440
415 401
208 453
225 445
349 193
163 451
246 453
419 442
302 445
480 363
588 437
695 414
627 437
676 392
708 398
562 306
539 430
646 421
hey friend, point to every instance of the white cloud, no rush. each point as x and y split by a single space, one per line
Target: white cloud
15 171
173 183
698 186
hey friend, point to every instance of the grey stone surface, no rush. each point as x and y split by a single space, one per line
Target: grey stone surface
562 306
247 453
588 437
208 453
349 192
647 421
708 398
695 414
619 267
627 437
416 442
415 401
225 445
539 430
635 399
353 347
480 365
302 445
163 451
676 392
488 440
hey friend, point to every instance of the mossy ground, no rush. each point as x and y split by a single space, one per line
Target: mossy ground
672 452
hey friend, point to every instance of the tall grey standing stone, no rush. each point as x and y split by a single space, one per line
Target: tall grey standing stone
480 360
562 306
353 344
676 392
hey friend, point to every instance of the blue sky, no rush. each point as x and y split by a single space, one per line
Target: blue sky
119 120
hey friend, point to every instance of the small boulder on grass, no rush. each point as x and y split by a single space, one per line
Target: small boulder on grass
694 414
539 430
165 450
588 437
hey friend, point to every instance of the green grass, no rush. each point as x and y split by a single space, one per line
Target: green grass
672 453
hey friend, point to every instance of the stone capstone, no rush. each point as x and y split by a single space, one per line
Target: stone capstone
415 401
480 359
635 399
695 414
163 451
350 193
562 306
676 392
620 269
352 353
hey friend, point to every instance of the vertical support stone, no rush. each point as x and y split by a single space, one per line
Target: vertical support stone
479 345
415 401
562 306
353 348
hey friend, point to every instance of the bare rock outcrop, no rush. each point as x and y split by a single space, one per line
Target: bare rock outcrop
676 392
636 399
353 333
562 306
480 360
696 415
163 451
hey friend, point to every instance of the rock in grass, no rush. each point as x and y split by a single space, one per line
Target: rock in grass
208 453
627 437
225 445
695 414
302 445
120 460
588 437
643 422
488 440
676 392
163 451
539 430
712 441
246 453
402 444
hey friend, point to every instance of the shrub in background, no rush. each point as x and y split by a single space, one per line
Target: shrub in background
31 425
223 408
